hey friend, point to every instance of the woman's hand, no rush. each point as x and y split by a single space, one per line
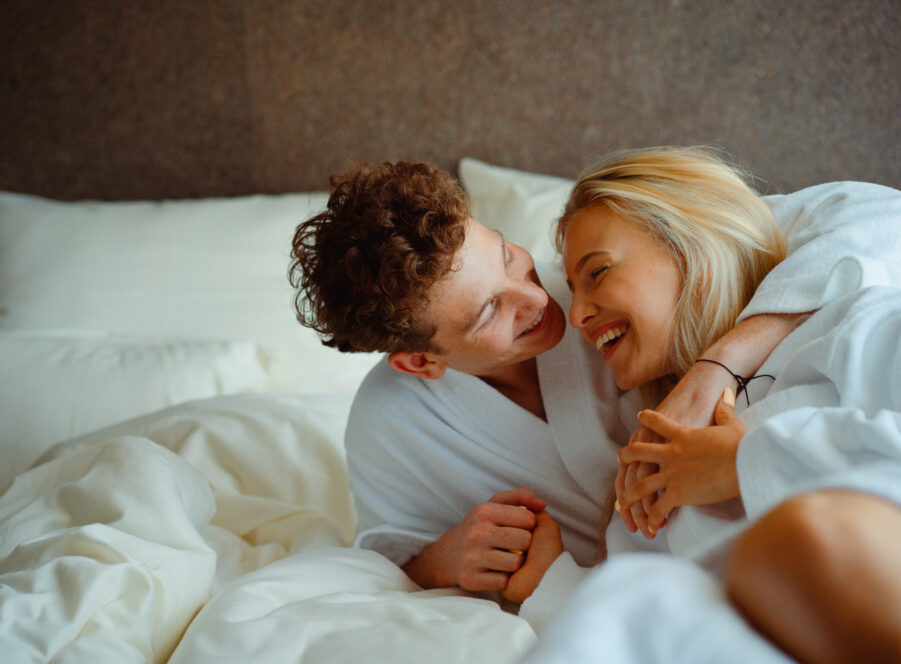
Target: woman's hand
697 466
691 402
743 349
636 515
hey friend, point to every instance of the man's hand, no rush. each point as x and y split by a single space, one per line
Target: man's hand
546 547
697 466
480 552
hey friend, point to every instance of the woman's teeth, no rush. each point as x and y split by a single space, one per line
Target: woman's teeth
609 337
535 323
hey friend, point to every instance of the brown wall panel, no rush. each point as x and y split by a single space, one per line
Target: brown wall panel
167 98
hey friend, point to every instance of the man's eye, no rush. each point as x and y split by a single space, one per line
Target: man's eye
597 272
493 313
507 255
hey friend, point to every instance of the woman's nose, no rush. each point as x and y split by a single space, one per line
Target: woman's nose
580 312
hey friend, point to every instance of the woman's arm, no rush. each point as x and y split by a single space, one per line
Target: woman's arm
743 349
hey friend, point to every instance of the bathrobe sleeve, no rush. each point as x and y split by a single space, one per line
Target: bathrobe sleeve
842 236
841 423
393 441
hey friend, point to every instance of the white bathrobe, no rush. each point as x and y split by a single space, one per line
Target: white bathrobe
843 237
831 419
422 453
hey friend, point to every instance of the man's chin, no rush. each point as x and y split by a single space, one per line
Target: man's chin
558 324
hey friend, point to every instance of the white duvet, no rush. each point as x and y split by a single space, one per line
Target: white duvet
218 531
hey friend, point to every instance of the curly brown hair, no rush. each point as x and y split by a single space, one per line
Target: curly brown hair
364 267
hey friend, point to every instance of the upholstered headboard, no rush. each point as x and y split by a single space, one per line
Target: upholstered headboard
172 98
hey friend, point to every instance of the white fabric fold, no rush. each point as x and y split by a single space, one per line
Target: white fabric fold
102 555
645 608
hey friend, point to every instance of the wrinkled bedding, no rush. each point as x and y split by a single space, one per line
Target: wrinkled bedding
218 530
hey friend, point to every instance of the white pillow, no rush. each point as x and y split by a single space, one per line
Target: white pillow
205 269
523 206
212 269
56 387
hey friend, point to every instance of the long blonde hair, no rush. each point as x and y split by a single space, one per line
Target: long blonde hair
703 210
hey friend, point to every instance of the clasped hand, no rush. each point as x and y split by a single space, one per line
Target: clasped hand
504 544
682 466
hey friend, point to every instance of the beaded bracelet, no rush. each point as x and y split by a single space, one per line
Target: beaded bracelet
741 380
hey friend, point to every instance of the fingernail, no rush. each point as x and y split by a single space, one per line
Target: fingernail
652 529
616 506
729 397
518 552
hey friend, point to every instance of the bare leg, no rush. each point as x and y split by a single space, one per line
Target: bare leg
819 576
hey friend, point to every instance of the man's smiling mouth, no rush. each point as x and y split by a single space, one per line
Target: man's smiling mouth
535 323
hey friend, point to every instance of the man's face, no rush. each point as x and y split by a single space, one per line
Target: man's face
490 311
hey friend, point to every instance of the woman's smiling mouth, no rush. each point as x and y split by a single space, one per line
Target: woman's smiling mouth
608 339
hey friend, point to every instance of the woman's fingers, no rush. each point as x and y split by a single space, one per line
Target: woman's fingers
665 504
620 491
725 408
640 471
660 423
646 486
643 452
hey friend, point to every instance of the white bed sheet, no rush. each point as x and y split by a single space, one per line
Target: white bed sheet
236 507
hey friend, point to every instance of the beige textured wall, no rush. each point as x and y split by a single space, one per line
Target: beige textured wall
175 98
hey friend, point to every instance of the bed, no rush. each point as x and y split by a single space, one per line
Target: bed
173 484
174 481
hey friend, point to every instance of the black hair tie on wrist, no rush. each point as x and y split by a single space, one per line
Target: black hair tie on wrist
741 380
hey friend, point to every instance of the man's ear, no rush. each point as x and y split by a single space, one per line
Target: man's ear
423 365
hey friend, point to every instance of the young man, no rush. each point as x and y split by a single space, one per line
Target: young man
486 402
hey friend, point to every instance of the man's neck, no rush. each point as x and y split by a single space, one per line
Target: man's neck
519 383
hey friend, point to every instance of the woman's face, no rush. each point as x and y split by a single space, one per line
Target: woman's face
625 288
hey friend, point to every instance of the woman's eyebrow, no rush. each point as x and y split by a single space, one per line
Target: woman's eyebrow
589 255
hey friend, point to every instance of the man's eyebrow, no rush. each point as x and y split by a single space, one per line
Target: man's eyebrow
475 318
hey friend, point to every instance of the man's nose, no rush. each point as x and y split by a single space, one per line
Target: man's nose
530 295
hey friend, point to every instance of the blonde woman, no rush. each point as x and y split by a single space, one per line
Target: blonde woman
663 249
